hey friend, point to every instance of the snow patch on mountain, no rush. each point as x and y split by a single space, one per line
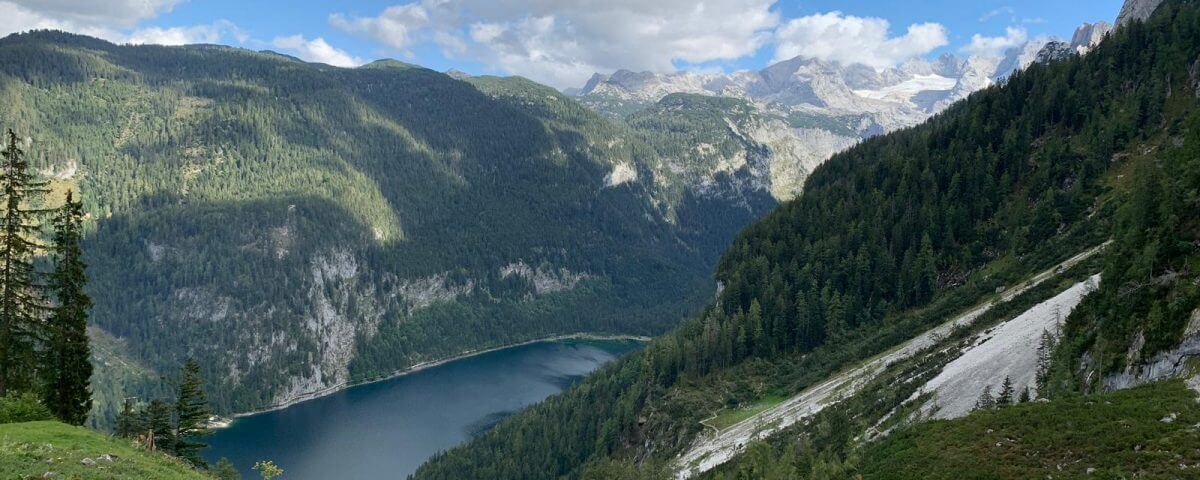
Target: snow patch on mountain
906 90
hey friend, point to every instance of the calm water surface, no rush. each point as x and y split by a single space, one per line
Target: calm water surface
386 430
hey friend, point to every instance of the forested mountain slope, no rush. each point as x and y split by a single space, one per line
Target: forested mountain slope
297 226
900 233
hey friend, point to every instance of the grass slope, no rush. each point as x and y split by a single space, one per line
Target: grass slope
1118 435
31 449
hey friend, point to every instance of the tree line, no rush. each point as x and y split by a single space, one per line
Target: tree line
898 233
44 347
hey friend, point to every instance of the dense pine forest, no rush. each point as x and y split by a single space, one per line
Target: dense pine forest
895 234
296 226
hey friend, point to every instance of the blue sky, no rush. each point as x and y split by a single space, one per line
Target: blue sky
561 42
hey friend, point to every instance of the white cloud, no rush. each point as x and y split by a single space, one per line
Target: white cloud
562 42
211 33
1013 37
316 50
393 28
18 18
849 39
1002 11
96 13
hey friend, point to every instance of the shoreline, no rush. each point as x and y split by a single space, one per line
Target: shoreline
419 366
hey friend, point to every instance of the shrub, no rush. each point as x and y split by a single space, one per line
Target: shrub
23 408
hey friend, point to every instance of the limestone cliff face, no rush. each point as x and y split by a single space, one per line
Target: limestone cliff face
1137 10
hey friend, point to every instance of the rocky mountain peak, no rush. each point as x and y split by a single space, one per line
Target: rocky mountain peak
1088 35
1137 10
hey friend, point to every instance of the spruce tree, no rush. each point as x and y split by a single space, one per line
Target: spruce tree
129 421
160 428
22 307
66 367
191 412
986 400
1006 392
225 470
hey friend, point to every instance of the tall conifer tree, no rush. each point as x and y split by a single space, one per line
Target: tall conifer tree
160 428
22 307
191 412
66 367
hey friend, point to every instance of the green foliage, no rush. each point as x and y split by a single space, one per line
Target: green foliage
224 470
890 238
66 363
846 125
191 414
217 179
160 426
1119 435
29 450
25 407
1151 287
268 469
22 305
129 422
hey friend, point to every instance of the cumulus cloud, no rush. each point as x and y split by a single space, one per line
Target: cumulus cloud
17 17
211 33
849 39
316 50
1013 37
93 13
394 27
562 42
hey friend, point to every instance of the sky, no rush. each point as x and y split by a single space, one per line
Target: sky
563 42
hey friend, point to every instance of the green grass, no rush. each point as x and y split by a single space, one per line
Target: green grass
30 449
1117 435
730 417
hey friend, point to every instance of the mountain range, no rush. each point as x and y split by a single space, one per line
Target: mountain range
297 228
989 294
811 108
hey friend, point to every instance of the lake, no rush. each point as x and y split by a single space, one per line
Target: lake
387 429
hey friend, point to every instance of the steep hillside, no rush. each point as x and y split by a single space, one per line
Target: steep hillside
899 235
1069 438
295 227
55 450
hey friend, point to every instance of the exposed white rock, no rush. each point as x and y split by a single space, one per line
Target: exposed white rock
715 448
621 173
1168 364
544 278
422 292
828 92
155 250
64 172
1089 35
201 304
1055 51
1008 350
1137 10
337 264
795 153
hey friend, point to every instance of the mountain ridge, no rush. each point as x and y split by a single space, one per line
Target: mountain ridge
330 225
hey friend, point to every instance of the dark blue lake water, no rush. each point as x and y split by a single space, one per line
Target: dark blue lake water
387 429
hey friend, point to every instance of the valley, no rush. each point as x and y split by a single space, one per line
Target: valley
760 242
